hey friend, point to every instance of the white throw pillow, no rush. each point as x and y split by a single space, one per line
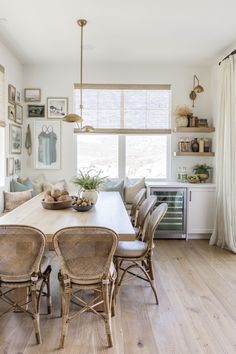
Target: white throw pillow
132 188
61 184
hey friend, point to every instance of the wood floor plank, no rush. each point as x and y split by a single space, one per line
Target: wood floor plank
196 287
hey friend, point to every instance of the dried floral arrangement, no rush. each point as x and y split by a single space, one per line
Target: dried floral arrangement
183 111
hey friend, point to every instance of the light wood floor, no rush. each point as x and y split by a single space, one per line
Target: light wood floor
197 312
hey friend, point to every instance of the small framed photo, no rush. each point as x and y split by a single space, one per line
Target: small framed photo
17 163
11 113
10 166
15 139
36 111
11 94
32 95
18 96
57 107
19 113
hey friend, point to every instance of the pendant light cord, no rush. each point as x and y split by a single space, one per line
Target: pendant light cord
81 72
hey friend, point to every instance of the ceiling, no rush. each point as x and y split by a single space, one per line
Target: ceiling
180 31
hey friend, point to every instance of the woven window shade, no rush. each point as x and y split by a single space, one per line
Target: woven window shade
125 109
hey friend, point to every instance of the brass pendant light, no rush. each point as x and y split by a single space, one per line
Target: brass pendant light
72 117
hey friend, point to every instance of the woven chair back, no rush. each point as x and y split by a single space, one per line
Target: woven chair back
153 222
138 199
85 253
145 208
21 252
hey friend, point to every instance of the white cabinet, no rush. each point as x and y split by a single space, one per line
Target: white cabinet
201 208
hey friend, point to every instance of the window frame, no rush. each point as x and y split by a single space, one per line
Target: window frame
122 132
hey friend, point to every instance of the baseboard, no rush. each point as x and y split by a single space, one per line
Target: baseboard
199 236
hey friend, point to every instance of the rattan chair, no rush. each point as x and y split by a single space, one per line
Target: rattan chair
138 199
86 261
138 254
22 265
145 209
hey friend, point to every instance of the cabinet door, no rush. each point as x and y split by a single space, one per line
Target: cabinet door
201 210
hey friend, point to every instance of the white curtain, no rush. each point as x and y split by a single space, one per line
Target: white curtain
224 234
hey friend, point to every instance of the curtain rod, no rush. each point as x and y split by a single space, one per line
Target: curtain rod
227 56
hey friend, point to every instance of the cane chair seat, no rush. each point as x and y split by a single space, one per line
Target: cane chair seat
112 274
132 249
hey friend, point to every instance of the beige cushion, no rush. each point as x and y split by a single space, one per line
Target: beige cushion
13 199
131 189
130 249
38 183
61 184
112 274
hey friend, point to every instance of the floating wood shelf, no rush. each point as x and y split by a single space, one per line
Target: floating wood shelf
194 130
206 154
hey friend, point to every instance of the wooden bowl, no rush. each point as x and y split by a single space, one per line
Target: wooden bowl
56 205
82 207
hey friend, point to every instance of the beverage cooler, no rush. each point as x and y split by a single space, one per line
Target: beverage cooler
173 225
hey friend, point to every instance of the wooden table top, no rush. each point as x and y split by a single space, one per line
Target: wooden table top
108 212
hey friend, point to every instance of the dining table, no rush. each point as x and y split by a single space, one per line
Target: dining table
109 212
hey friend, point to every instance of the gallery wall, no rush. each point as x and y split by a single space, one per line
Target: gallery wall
56 80
13 76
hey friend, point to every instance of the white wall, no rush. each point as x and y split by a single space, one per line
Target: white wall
14 76
57 80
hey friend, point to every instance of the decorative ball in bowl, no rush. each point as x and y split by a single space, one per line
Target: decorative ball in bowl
193 179
56 199
81 204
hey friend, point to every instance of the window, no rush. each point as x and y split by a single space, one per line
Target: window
134 121
2 127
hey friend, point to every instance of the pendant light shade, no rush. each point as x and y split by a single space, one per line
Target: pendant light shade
72 118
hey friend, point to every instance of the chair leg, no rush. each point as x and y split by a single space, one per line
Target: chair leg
152 282
107 313
117 266
112 299
66 297
150 267
35 313
49 298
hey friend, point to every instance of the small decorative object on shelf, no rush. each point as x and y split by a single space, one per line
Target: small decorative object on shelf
182 114
201 145
202 171
202 122
193 179
195 145
182 174
89 182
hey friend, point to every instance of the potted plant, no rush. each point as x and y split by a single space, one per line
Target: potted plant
90 182
202 171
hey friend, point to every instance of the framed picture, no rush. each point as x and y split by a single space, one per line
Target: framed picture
11 94
32 95
36 111
57 107
11 113
19 113
10 166
18 96
15 139
47 144
17 163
